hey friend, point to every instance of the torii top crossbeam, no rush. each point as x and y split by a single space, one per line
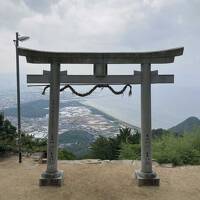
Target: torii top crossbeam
100 61
154 57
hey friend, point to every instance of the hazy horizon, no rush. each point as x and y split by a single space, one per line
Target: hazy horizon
110 25
171 104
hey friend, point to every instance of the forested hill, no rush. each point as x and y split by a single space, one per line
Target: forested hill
76 141
75 136
186 126
38 108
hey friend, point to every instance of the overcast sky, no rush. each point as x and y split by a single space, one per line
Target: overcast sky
104 25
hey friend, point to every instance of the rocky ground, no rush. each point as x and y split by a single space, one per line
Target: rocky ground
93 179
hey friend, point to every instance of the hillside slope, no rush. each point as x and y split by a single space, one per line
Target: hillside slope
187 125
76 141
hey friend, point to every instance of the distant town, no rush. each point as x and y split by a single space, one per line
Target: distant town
74 115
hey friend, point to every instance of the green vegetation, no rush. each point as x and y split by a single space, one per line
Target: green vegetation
77 142
7 136
109 148
168 147
157 133
104 148
130 151
38 108
75 136
186 126
178 150
30 144
63 154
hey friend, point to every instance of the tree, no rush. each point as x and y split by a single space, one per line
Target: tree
101 148
126 136
63 154
130 151
159 132
8 135
32 144
109 148
1 120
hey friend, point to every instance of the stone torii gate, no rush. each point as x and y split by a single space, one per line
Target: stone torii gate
100 61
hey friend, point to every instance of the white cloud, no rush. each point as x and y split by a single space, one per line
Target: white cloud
11 13
107 25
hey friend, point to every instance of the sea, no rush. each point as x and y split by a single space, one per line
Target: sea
171 104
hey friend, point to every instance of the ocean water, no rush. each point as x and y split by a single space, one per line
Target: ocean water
170 105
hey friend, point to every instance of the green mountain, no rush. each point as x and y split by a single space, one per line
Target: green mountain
187 125
76 141
75 136
38 108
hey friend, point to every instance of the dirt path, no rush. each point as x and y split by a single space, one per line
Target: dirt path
104 181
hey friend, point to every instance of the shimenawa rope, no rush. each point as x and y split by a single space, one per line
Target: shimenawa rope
93 89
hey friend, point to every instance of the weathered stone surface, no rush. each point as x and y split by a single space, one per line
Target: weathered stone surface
164 56
151 181
90 79
46 180
100 60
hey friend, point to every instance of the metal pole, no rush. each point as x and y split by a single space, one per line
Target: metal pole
18 98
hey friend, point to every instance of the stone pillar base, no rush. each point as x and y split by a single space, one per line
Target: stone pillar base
150 179
56 179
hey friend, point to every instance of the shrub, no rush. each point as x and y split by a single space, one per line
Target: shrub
169 148
32 144
130 151
109 148
63 154
104 148
184 149
8 136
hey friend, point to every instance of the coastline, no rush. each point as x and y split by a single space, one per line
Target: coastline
93 106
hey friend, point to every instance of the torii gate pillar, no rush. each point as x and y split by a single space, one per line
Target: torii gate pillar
52 176
146 176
